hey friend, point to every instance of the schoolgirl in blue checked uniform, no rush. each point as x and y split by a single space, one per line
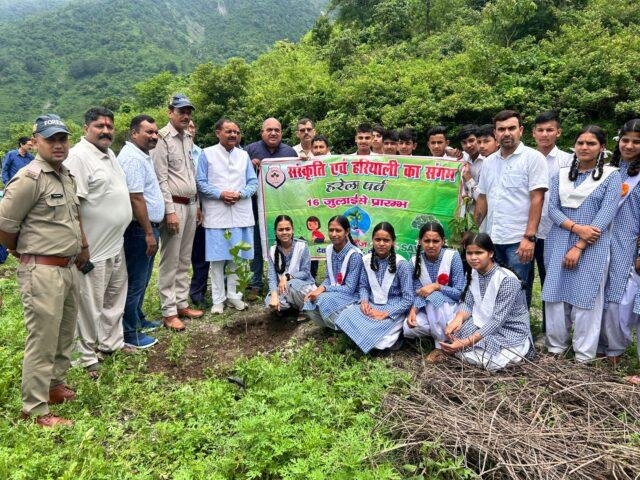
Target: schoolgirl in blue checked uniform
491 328
340 287
438 280
634 318
582 203
615 334
386 295
290 277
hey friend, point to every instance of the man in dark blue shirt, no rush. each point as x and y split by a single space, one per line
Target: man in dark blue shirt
270 146
14 160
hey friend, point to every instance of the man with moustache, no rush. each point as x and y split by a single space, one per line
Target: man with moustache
511 195
270 146
106 212
40 224
305 131
143 233
174 166
226 182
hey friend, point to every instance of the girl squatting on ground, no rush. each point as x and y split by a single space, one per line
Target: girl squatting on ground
491 328
438 281
386 295
340 286
290 277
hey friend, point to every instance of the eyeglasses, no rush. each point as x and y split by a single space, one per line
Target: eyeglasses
305 130
229 132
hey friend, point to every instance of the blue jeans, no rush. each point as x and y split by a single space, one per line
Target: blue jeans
506 255
139 269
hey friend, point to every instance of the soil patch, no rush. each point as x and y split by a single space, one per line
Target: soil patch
211 345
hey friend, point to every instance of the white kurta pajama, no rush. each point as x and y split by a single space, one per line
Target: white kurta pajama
221 170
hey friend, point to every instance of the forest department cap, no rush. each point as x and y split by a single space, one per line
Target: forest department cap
48 125
180 100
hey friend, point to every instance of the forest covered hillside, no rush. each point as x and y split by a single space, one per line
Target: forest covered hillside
420 63
64 55
417 63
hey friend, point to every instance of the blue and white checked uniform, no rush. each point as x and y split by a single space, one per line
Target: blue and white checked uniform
448 293
336 297
362 329
579 286
509 325
624 232
301 279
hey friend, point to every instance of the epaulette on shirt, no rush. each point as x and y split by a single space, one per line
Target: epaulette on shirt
164 131
33 170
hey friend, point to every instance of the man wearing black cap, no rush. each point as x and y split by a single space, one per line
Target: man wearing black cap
40 223
172 159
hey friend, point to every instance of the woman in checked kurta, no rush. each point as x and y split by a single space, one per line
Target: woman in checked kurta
386 295
290 277
583 200
615 335
340 287
491 328
438 280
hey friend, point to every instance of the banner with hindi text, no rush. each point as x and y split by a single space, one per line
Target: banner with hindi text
405 191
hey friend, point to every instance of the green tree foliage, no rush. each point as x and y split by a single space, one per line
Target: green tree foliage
418 63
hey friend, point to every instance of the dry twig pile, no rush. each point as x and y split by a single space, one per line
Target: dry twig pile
543 420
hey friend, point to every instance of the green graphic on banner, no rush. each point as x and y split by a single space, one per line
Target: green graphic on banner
404 191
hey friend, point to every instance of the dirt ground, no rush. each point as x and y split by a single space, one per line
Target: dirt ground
213 344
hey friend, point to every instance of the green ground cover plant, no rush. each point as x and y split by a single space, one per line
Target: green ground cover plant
306 412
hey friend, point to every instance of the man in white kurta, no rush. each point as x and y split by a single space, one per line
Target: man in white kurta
106 212
226 181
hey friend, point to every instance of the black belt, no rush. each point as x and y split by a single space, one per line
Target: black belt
138 224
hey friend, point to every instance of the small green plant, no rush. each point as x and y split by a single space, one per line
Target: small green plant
177 346
243 266
461 223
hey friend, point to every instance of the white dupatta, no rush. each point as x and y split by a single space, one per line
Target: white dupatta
572 196
294 264
483 306
343 267
380 291
445 267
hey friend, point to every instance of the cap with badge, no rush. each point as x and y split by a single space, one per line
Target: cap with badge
48 125
180 100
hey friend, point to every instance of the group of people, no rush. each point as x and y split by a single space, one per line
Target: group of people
86 226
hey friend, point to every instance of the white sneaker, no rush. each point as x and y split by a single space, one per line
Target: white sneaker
236 303
217 309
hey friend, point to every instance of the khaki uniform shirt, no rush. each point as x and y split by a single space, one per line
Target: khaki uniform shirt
174 166
42 206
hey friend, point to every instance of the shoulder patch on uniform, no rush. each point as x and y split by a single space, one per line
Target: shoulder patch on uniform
164 131
33 170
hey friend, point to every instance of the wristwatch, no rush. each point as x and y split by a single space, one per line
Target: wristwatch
531 238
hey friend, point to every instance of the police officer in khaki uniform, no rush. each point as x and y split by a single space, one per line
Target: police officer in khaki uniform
174 166
40 224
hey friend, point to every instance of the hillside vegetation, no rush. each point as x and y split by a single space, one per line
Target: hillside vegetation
415 62
82 52
418 63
